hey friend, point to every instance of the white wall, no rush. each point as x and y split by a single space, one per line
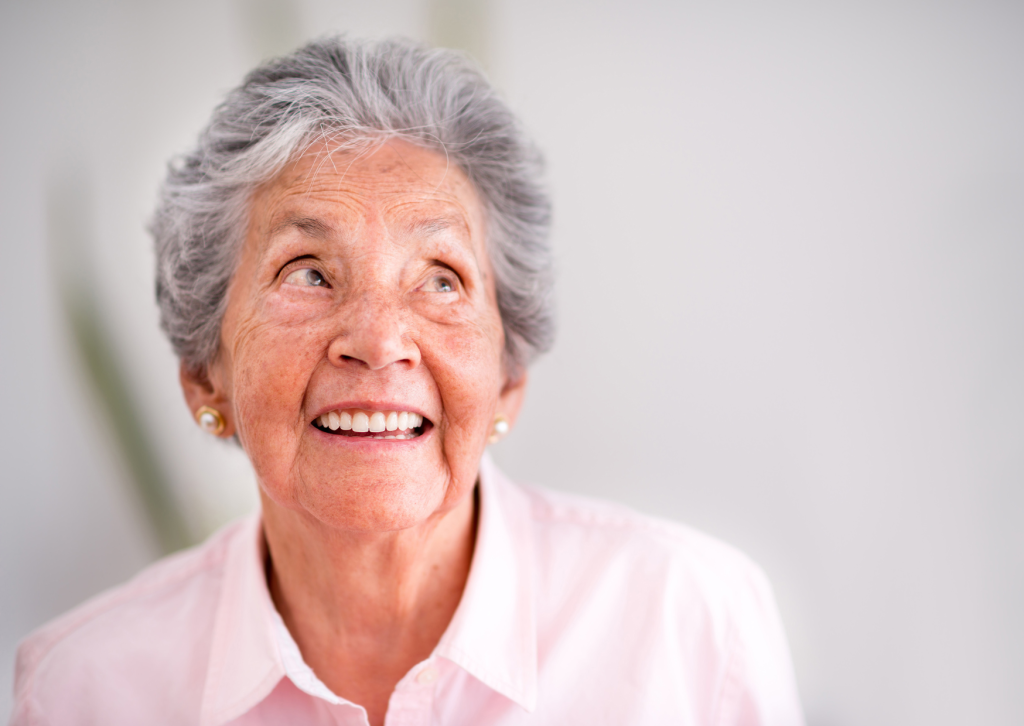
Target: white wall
792 312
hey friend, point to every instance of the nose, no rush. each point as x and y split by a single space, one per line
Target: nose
373 334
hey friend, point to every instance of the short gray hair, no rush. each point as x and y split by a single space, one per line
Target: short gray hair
351 93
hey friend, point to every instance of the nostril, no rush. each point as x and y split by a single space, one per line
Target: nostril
375 348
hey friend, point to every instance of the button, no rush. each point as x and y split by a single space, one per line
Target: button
427 676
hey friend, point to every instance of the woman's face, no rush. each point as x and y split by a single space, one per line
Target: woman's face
364 297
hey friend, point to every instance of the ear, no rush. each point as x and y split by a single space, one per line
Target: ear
201 391
510 400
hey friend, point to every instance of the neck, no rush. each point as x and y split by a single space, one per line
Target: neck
364 608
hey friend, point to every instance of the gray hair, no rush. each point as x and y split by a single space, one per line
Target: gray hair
350 93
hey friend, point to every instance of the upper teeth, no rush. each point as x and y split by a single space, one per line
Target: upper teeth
360 421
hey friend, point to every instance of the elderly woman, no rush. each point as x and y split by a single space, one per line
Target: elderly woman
354 271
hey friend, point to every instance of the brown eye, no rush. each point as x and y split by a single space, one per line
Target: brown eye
306 277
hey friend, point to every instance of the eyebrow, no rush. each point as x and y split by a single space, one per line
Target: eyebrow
309 226
438 224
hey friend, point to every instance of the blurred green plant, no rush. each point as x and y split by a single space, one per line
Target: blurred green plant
69 218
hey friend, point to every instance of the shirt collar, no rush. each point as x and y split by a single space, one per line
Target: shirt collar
245 661
492 635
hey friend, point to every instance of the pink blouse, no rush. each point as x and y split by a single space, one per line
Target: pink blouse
575 611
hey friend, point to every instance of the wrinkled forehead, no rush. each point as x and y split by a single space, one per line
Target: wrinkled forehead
394 182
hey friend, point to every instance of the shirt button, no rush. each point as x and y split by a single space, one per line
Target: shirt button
427 676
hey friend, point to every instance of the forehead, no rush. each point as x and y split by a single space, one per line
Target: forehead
396 183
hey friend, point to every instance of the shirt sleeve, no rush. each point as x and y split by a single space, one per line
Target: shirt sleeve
759 686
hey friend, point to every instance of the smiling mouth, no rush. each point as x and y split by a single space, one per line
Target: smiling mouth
356 423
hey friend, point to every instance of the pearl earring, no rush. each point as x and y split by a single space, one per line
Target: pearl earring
211 420
499 429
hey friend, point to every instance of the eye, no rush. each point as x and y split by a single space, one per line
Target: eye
441 283
306 277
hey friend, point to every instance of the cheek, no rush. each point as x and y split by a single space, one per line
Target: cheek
273 356
471 377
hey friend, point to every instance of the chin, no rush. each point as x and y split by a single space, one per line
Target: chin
373 504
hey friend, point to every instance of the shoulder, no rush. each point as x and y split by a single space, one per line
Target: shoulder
611 531
153 629
697 614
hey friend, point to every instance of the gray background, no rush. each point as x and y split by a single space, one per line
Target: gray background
791 253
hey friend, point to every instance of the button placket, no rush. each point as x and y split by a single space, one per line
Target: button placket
413 700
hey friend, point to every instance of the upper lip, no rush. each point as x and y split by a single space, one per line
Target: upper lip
372 407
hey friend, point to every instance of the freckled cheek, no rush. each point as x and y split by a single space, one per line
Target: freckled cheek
470 379
273 362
